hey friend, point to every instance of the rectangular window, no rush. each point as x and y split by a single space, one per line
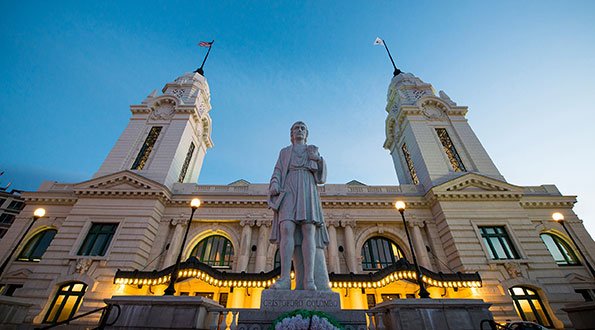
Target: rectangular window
98 239
7 218
449 149
390 296
371 300
410 166
186 163
145 150
16 205
223 299
498 243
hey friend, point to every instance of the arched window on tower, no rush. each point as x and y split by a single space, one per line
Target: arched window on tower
560 250
66 302
380 252
36 246
215 251
529 305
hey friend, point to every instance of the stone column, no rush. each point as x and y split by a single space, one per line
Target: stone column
245 245
420 246
175 241
350 256
333 249
262 245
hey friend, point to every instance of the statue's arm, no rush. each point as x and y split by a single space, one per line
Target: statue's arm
275 183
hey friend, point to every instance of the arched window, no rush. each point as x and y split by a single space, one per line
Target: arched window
215 251
36 246
66 302
380 252
560 250
277 260
529 305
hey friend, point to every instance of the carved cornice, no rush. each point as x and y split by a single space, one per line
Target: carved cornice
533 204
47 200
325 204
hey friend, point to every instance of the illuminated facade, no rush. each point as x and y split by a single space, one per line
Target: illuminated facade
474 234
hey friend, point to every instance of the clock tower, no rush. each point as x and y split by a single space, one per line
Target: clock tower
168 134
429 137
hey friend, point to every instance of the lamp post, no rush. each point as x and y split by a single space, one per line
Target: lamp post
558 217
38 213
423 293
194 204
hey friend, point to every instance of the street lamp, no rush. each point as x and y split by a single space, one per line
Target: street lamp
38 213
423 293
194 204
558 217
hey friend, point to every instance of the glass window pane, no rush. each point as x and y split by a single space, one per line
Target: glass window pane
214 251
54 309
379 252
518 291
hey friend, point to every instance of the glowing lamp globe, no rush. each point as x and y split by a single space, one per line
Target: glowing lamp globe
400 205
39 213
557 216
195 203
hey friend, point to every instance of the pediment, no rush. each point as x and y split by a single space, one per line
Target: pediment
240 182
124 180
577 278
21 274
476 183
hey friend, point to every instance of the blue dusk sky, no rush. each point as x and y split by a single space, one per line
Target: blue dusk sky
526 69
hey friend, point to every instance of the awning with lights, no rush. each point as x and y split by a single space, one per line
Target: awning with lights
401 270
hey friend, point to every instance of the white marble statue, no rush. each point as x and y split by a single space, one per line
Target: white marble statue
298 223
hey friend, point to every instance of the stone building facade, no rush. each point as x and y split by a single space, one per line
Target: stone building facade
464 218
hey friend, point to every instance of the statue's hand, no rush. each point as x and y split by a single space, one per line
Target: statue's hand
313 153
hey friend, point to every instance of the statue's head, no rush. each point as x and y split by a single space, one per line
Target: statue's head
299 129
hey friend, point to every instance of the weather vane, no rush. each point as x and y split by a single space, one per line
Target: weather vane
379 41
208 44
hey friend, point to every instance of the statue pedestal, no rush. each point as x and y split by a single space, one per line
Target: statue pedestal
273 303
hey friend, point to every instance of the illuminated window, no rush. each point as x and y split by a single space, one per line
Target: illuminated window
390 296
410 166
98 239
36 246
66 302
186 162
146 149
529 305
215 251
380 252
560 250
449 149
498 243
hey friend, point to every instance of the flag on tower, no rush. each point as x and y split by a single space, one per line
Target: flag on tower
378 41
205 44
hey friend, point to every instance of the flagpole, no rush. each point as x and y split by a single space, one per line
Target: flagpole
397 71
200 70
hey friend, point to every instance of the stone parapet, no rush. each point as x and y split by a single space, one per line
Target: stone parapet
434 314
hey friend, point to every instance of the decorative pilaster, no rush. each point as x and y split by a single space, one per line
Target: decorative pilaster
245 241
350 256
419 245
333 249
262 245
176 240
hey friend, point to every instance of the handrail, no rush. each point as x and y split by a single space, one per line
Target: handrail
102 322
